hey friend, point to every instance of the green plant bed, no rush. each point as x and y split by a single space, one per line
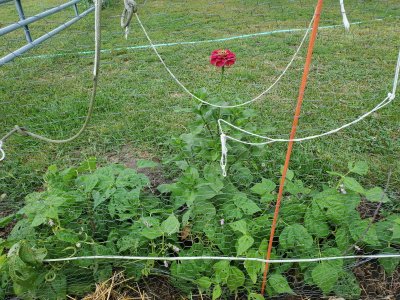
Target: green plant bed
112 210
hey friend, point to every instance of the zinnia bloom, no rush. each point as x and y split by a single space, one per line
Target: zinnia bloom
221 58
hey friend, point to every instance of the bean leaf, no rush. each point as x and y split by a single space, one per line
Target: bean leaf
170 225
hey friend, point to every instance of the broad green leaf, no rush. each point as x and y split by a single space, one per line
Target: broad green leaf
98 198
166 188
222 271
205 191
296 187
396 229
325 276
132 242
240 226
354 185
363 231
204 282
295 237
170 225
39 219
376 194
342 238
248 206
253 268
332 252
279 284
186 216
338 208
88 182
67 235
292 210
389 264
152 232
335 173
264 187
142 163
243 244
88 166
182 164
254 296
289 173
241 175
267 198
347 286
236 279
212 172
129 178
6 220
30 255
360 167
315 222
204 213
230 211
217 292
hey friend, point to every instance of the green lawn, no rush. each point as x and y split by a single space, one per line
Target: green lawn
47 89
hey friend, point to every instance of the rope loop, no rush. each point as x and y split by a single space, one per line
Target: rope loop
224 154
130 7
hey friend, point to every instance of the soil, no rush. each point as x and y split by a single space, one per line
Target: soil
375 285
367 209
4 232
129 156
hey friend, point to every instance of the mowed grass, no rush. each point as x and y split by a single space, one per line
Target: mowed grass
47 89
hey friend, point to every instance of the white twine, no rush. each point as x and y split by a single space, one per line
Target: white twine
346 22
182 258
224 154
2 153
216 105
389 98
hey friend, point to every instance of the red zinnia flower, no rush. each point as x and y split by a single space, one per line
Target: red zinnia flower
221 58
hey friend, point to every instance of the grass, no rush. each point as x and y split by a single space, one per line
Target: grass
351 73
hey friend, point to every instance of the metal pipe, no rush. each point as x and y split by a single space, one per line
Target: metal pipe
76 10
37 17
43 38
22 18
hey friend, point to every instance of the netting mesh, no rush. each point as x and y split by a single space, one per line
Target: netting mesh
144 180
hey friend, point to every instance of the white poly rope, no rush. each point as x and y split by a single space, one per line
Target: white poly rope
182 258
390 97
2 153
215 105
346 22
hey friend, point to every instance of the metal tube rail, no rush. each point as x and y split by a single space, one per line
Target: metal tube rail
43 38
21 15
37 17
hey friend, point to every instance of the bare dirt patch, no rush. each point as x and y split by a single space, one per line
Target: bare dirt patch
129 157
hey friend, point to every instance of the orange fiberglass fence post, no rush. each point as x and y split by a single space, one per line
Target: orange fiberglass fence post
292 135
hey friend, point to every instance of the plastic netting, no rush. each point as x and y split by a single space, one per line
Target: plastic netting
142 188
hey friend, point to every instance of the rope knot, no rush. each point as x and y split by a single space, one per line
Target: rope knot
224 154
391 96
130 8
20 130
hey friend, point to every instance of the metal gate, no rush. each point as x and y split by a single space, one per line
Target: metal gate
25 21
